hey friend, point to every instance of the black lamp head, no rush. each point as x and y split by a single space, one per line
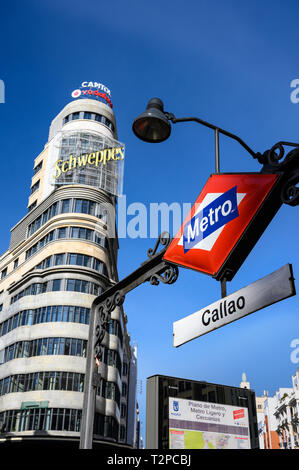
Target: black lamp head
152 125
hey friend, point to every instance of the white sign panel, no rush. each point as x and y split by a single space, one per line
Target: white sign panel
266 291
203 425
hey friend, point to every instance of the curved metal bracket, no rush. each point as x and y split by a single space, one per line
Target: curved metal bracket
273 156
289 169
164 239
169 276
154 270
104 317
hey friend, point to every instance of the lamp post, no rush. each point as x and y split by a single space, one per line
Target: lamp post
153 126
154 270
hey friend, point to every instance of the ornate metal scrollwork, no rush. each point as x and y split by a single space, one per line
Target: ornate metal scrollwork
169 276
273 156
104 311
164 239
290 192
154 270
288 168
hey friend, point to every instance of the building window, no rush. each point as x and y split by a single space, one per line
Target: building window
114 328
34 187
74 259
122 433
41 419
38 167
53 313
106 426
124 390
56 284
75 115
42 380
45 347
67 205
84 206
46 263
123 410
16 263
32 206
59 259
69 232
77 285
88 115
4 273
125 368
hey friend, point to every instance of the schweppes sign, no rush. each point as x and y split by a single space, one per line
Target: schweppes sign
93 159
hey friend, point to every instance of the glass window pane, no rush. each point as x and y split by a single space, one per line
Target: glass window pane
55 346
78 205
61 345
59 313
65 314
59 259
56 284
73 347
70 285
72 258
62 232
66 204
75 232
72 314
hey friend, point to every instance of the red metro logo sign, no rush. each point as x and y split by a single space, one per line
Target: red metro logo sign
94 90
225 222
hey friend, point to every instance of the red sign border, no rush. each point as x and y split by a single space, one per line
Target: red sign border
246 230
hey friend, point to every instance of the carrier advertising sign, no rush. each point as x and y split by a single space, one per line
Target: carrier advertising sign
93 90
203 425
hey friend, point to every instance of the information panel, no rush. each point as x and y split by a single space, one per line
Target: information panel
204 425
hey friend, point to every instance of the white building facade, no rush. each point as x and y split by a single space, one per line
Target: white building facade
63 254
287 413
278 421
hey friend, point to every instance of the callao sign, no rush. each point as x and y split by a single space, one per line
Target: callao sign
276 286
225 222
93 90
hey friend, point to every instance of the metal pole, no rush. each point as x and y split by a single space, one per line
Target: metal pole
223 288
217 159
88 411
219 129
154 270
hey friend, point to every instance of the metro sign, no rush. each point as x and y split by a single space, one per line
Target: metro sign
225 222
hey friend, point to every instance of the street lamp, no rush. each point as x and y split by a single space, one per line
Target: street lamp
153 126
155 271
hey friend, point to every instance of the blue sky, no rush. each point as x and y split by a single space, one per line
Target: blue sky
230 63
